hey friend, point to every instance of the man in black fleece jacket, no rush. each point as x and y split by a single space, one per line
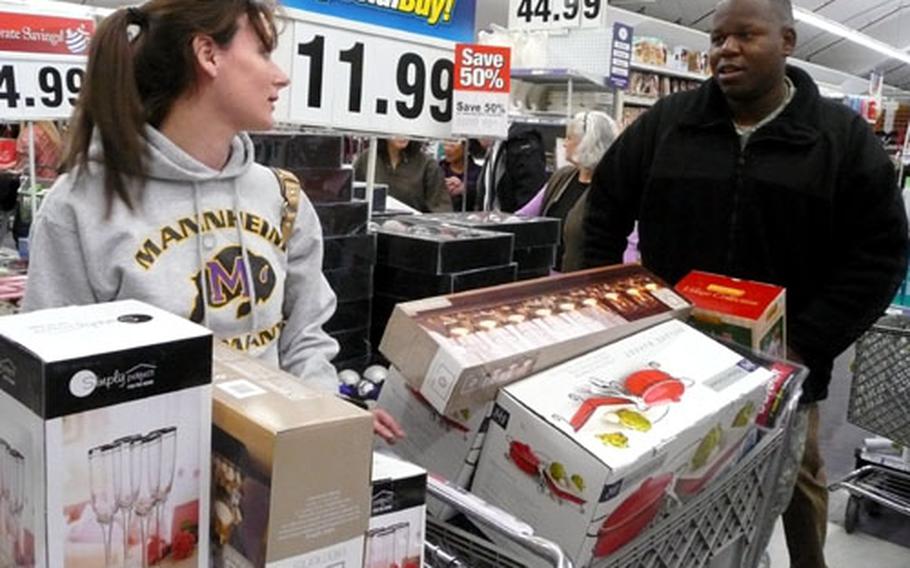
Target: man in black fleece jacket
755 175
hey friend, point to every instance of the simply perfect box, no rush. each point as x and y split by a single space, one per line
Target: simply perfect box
458 350
105 425
291 470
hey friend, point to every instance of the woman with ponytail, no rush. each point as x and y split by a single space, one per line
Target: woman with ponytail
161 200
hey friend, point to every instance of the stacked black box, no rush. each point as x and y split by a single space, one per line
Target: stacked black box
349 251
536 238
348 259
419 258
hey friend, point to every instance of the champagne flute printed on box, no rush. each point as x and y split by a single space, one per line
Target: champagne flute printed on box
106 412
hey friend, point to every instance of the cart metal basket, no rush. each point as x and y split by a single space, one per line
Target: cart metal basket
879 399
880 392
729 524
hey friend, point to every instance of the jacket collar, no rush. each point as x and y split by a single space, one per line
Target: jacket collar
709 109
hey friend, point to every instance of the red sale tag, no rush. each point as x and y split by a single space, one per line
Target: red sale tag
29 33
482 68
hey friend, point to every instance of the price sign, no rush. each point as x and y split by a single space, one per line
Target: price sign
481 91
33 90
42 60
548 14
357 81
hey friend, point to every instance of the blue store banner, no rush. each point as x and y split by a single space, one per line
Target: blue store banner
443 19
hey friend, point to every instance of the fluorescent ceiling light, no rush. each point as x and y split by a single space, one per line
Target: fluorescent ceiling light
825 24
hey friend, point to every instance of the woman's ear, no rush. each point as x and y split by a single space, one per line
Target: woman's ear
206 52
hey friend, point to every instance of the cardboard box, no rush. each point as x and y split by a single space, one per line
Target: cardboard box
352 343
528 231
405 242
589 451
398 519
535 258
291 470
459 350
742 311
349 315
342 218
409 284
105 416
351 284
326 184
448 446
348 252
380 194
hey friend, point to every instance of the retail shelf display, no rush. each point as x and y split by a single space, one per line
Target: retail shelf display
669 71
633 100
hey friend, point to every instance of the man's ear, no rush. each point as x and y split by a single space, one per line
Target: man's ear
789 35
206 51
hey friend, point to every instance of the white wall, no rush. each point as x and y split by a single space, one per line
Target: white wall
491 12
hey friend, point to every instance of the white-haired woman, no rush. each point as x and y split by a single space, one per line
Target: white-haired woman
588 136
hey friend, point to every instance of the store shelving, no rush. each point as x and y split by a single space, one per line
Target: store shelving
667 71
634 100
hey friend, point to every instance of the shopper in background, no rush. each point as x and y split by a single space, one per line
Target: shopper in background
48 148
453 170
162 201
588 136
755 175
413 177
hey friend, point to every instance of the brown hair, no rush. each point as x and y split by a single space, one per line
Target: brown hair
140 61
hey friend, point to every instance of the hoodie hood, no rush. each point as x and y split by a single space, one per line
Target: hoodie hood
168 162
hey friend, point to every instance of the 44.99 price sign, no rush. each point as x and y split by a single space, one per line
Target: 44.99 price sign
544 14
351 80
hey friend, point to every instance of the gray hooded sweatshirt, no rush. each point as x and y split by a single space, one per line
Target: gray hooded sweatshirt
200 243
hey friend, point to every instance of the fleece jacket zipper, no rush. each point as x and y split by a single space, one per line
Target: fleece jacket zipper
734 215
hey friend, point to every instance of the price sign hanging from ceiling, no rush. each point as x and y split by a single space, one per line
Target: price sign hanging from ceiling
42 60
554 14
383 67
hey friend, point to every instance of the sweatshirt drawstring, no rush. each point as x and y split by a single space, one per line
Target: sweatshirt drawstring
254 320
203 273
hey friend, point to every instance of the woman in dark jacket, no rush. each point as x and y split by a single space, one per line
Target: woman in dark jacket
413 177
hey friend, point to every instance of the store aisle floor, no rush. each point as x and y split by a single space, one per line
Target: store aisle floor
883 542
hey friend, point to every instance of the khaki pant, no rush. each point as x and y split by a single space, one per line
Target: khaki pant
806 517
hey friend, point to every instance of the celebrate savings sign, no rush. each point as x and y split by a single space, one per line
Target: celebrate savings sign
28 33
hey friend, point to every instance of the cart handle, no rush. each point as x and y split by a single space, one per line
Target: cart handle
496 519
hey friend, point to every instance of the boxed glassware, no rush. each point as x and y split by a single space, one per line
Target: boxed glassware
458 350
406 243
750 313
448 446
396 534
105 425
590 451
291 470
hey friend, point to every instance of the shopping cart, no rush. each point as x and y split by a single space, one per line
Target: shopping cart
728 525
879 399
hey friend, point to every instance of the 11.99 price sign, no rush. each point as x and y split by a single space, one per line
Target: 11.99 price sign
357 81
38 90
548 14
